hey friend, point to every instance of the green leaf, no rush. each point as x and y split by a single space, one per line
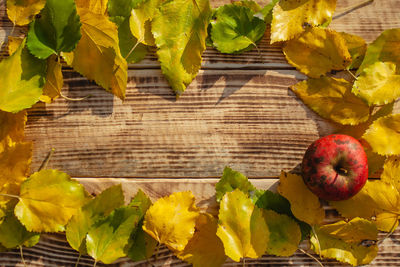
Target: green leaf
107 239
90 213
56 30
180 31
13 234
253 6
267 11
130 47
378 84
230 181
242 227
119 8
236 29
47 201
344 241
21 87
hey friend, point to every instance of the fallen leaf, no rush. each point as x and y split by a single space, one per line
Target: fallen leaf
317 51
180 31
242 227
22 12
267 11
304 204
343 241
12 128
54 80
290 16
332 99
171 220
253 6
47 201
378 84
13 234
14 43
357 49
391 172
96 6
205 248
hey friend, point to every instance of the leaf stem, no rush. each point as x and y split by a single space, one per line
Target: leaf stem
352 75
352 8
389 233
8 195
244 262
319 244
22 255
74 99
77 261
46 160
133 48
95 263
311 256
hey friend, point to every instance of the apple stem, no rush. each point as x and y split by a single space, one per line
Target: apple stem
343 170
311 256
352 8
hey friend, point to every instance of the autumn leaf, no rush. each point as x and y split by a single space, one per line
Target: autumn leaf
267 11
385 49
357 49
242 227
378 84
13 234
48 199
90 213
21 87
22 12
343 241
180 31
317 51
384 135
377 199
95 6
304 204
54 80
289 17
236 29
332 99
14 43
140 20
97 55
107 239
285 234
171 220
253 6
205 248
391 172
11 127
56 30
230 181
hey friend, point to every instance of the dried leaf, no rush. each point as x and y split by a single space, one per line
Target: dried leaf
290 16
332 99
21 12
304 204
171 220
317 51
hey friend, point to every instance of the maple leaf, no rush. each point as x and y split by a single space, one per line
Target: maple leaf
97 55
385 49
344 241
13 234
205 248
171 220
141 18
47 200
230 181
21 87
21 12
332 99
236 29
357 48
90 213
96 6
180 31
304 204
384 135
242 227
54 80
107 239
56 30
317 51
289 17
378 84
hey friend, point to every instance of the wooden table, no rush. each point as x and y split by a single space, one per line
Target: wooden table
238 112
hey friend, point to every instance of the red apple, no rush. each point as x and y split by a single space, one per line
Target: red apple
335 167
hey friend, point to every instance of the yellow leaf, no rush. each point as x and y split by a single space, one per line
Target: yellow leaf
48 199
21 12
378 84
205 248
357 48
14 43
242 227
384 135
332 99
391 172
12 127
303 203
97 55
376 199
290 16
54 80
95 6
344 241
317 51
171 220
